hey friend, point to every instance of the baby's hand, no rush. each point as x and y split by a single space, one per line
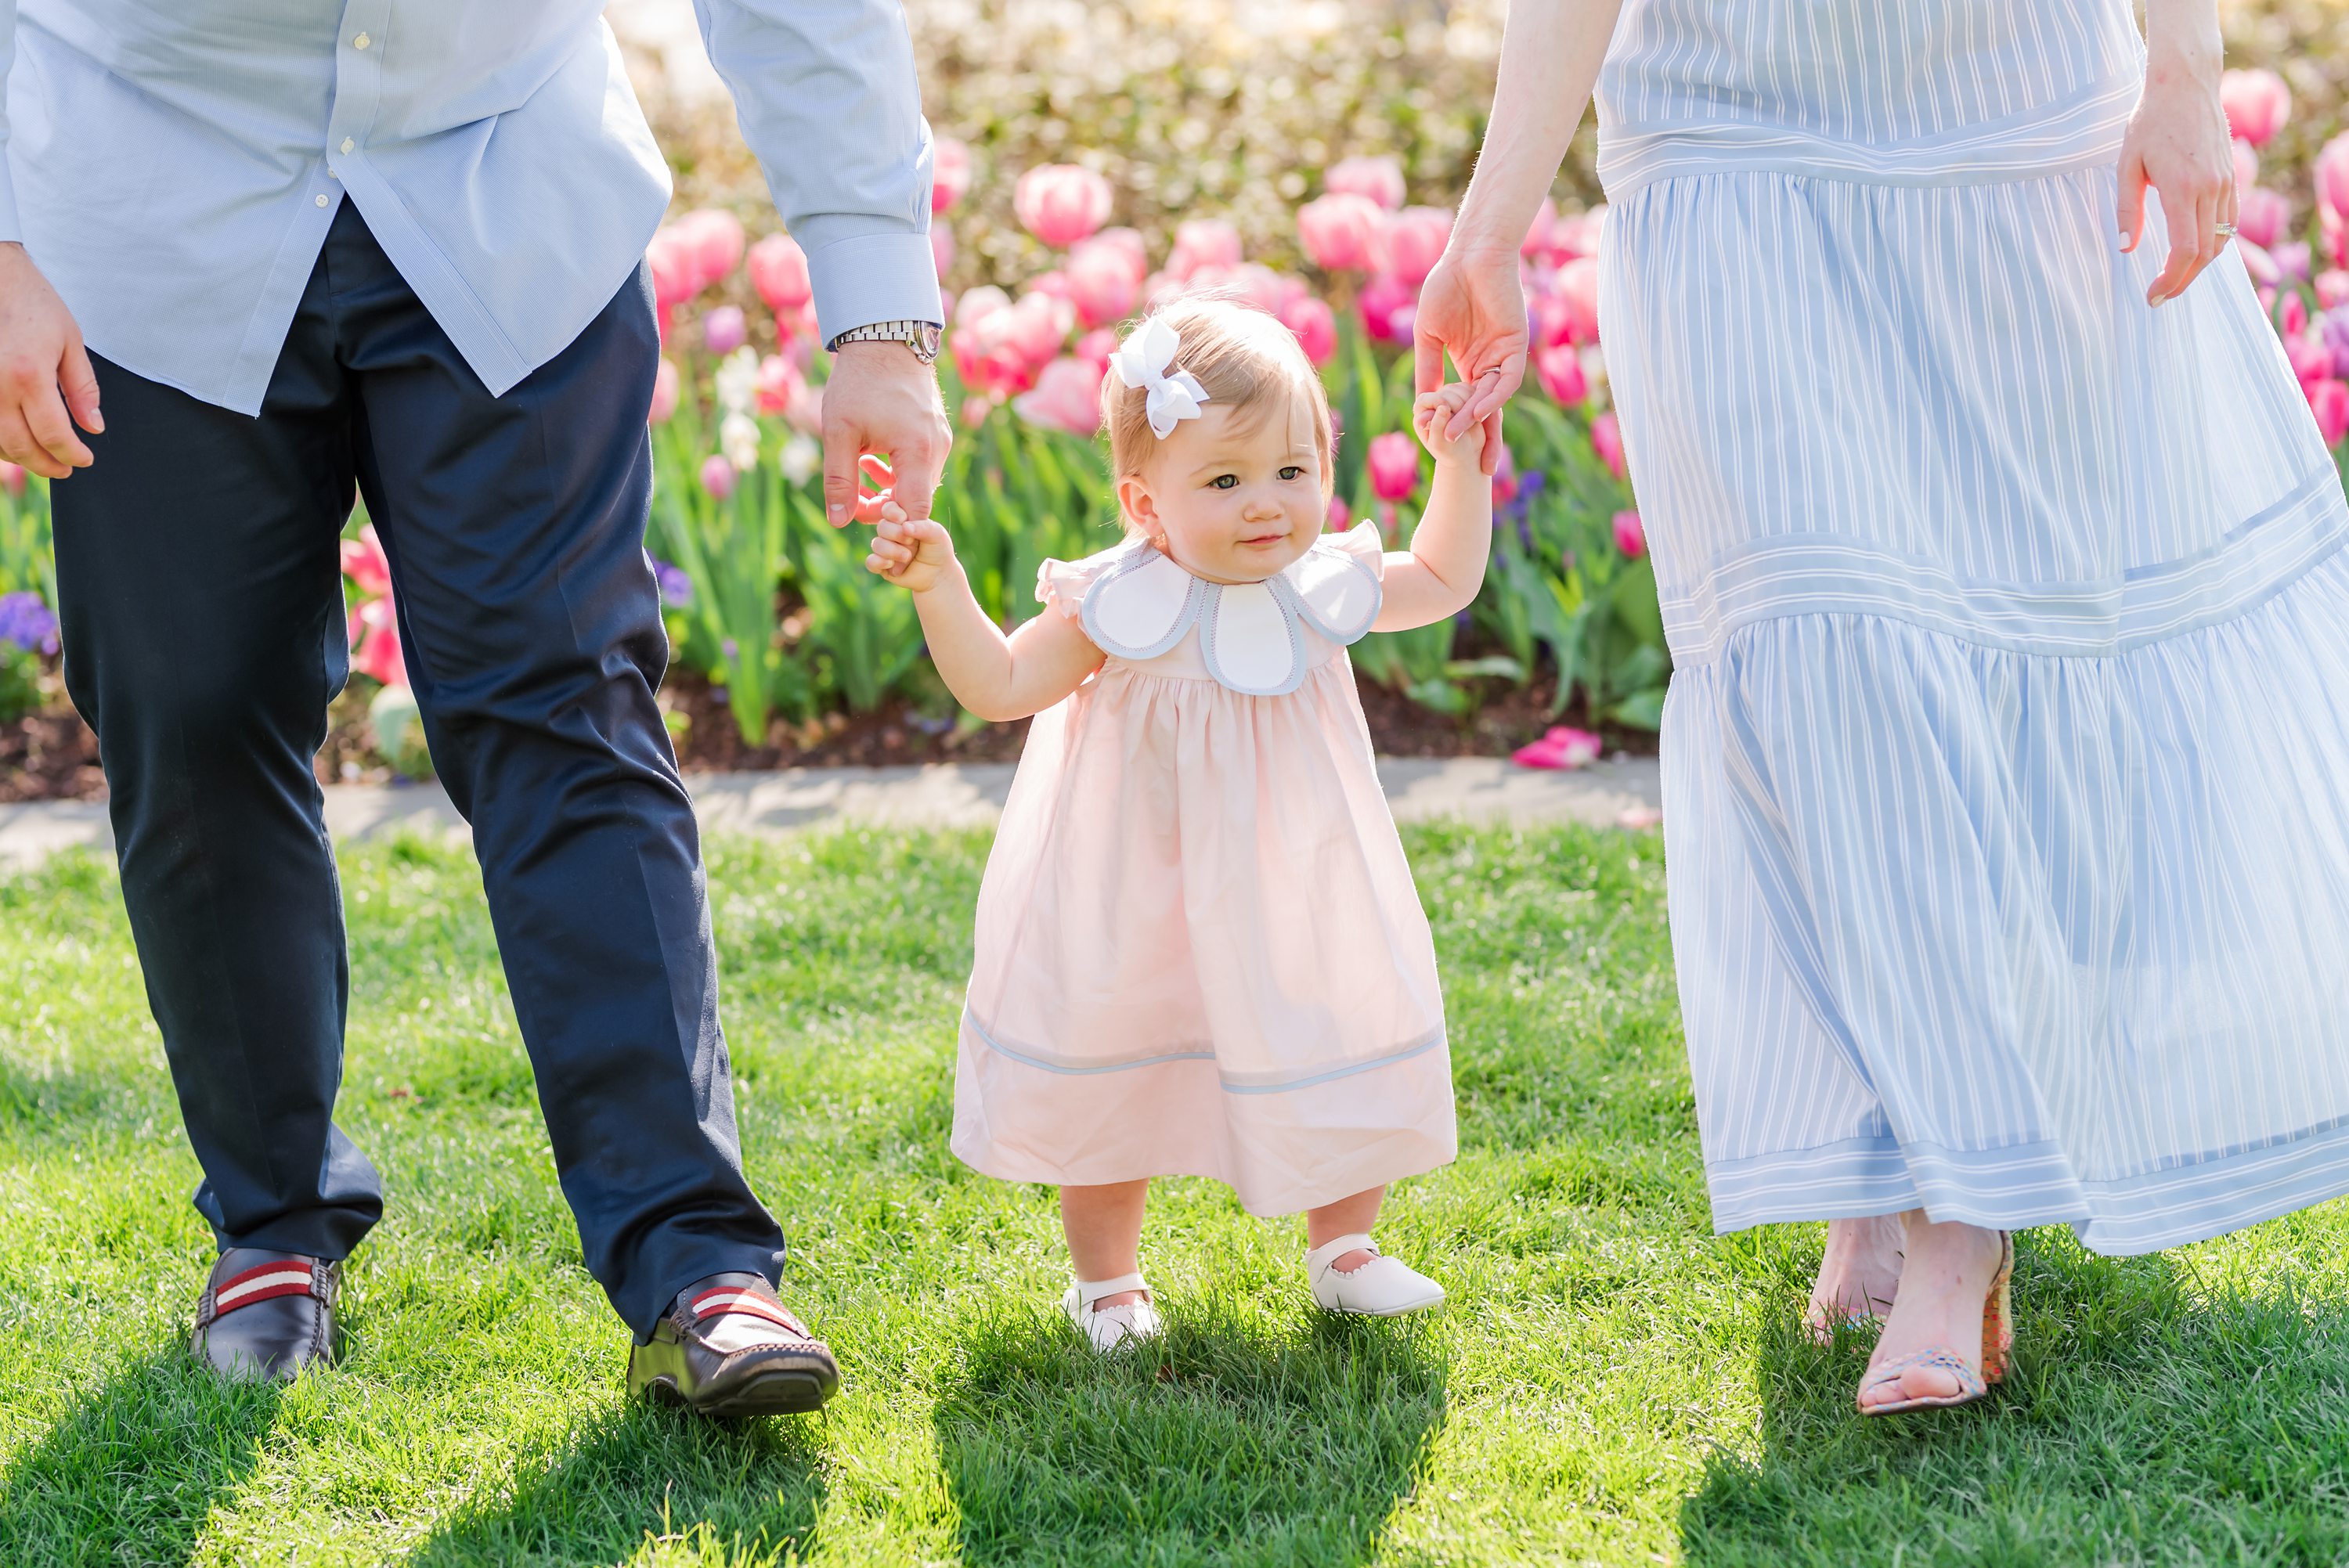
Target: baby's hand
910 552
1433 411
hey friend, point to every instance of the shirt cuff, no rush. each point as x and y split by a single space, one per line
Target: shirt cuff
873 277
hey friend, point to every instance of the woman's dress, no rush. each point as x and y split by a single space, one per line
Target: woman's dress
2006 760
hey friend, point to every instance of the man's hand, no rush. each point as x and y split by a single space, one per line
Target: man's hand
1472 305
40 358
881 399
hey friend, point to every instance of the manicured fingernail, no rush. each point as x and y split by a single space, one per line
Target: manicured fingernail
96 423
838 515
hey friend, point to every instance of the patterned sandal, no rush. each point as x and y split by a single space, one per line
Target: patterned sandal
1998 1342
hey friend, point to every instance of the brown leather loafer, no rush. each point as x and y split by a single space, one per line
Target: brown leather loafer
729 1348
267 1315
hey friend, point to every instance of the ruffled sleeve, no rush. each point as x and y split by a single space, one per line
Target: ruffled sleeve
1364 543
1062 584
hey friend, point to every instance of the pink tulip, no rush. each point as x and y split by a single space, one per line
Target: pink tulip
714 238
1558 368
1387 305
1054 282
374 634
1629 537
2311 360
2332 175
1202 242
942 249
2293 257
1315 326
1578 288
1037 326
1102 284
1535 246
1577 234
2329 400
1394 465
1060 204
1067 397
1505 477
2263 271
2261 215
949 174
1128 243
781 385
1606 440
1339 231
2331 288
1341 516
1097 346
980 302
1411 241
779 271
12 477
797 326
2256 104
1260 286
1379 178
666 387
364 564
2246 168
2266 298
718 476
723 330
670 255
2295 317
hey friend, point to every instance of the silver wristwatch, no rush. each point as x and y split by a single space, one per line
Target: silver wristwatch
921 336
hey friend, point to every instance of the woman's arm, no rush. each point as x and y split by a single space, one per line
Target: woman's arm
1472 306
1445 566
999 678
2178 142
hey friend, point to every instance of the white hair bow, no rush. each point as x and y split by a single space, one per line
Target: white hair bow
1148 350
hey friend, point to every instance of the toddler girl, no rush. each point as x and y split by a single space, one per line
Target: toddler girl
1199 950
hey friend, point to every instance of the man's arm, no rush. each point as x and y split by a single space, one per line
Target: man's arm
43 370
826 96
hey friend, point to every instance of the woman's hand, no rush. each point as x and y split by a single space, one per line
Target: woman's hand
2177 143
1472 305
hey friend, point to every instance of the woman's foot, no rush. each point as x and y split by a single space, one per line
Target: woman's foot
1859 1276
1946 1281
1375 1286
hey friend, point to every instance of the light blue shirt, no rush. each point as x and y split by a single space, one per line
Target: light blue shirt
172 165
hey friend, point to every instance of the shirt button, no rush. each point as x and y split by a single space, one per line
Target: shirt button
347 144
361 42
322 199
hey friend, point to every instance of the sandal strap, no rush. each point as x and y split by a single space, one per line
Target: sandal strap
1089 1291
1970 1380
1322 1256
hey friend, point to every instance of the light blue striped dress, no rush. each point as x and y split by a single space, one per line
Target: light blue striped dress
2006 763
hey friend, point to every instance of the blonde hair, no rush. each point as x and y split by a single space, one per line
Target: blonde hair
1246 359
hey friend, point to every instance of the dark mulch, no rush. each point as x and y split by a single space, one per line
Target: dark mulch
51 757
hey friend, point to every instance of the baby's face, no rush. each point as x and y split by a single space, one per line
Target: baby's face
1236 496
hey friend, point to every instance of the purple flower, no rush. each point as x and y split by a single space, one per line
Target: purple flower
27 622
2334 326
676 587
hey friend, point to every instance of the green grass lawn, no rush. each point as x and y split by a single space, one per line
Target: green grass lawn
1611 1383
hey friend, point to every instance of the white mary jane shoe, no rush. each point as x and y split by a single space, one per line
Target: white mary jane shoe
1382 1287
1112 1327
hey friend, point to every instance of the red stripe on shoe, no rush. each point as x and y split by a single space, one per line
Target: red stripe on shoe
264 1284
733 1298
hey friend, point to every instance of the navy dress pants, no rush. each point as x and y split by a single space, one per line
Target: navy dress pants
202 620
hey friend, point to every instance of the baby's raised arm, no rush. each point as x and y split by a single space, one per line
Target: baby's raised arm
1440 574
999 678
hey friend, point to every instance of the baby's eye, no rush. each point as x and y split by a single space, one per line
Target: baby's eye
1225 481
1292 472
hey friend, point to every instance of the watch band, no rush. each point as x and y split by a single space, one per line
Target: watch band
921 336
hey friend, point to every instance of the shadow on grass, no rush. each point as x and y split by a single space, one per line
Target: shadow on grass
131 1473
1221 1443
2144 1420
646 1471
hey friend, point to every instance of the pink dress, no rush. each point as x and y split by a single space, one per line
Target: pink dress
1199 950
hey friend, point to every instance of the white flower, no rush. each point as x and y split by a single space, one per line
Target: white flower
737 380
738 438
799 460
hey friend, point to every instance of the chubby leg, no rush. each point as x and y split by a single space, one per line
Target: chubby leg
1103 1226
1346 1217
1858 1274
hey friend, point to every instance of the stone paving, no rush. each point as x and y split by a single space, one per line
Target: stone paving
1624 792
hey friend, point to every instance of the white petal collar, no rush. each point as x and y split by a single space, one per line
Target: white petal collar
1251 633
